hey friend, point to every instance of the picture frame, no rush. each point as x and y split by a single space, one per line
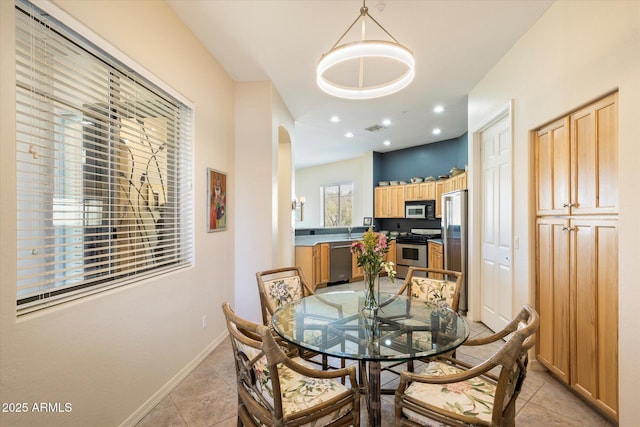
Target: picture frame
216 200
367 221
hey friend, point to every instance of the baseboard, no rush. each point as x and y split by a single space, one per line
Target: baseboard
164 391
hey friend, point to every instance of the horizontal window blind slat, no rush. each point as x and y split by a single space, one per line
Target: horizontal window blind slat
103 168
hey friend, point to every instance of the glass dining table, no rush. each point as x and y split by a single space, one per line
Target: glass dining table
402 329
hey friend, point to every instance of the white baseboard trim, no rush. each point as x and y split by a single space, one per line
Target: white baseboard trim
164 391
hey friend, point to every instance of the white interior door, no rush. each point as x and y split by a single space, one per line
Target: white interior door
496 276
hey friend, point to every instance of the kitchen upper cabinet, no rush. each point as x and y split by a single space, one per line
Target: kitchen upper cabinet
389 201
577 162
420 191
457 182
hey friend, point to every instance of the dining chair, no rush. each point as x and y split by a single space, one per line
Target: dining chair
280 286
277 390
434 285
451 392
437 286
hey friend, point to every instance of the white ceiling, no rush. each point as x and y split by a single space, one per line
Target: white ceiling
455 42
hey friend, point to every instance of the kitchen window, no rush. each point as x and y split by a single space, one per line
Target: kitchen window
337 204
103 168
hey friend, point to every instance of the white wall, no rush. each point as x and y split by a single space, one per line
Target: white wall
259 113
358 170
577 52
115 354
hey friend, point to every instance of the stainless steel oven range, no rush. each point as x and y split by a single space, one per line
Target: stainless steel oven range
411 249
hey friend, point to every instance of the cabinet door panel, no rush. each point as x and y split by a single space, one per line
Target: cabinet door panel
595 275
552 168
594 142
553 295
381 202
396 202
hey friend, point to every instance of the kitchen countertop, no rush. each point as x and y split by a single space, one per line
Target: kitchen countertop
326 238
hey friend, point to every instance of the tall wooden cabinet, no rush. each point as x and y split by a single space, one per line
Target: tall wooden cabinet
577 251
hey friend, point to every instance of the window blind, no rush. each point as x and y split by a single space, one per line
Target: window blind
103 168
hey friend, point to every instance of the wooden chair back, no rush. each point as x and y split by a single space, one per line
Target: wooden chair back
278 287
435 285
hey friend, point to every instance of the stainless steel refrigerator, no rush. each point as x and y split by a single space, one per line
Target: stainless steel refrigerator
454 237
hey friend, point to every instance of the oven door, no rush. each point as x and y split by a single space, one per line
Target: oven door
410 255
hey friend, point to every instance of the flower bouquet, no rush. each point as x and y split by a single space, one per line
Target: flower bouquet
370 252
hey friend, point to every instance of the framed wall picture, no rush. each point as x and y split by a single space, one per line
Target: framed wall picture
216 200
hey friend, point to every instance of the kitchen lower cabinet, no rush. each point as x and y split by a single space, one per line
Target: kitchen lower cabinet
314 263
357 273
577 299
435 258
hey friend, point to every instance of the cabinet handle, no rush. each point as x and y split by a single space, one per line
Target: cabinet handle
569 205
569 229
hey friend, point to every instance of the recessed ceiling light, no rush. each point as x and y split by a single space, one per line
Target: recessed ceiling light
437 131
387 142
438 109
386 122
348 135
335 119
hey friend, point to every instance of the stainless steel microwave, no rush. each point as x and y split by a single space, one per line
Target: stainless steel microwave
423 209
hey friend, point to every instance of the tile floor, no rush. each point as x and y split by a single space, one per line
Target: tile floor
207 397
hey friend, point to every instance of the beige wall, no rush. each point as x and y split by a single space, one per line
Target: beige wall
113 355
259 116
358 170
577 52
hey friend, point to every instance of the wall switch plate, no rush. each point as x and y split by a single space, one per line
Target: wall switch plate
204 321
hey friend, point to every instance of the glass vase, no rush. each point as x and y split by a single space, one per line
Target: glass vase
371 293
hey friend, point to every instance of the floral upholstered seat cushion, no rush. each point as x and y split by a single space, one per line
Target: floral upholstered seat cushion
433 290
472 398
283 291
298 392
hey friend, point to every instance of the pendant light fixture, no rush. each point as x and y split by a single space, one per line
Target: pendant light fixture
364 50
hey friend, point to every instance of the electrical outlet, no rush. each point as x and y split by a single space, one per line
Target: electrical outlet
204 321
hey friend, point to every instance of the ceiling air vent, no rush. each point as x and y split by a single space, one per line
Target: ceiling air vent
374 128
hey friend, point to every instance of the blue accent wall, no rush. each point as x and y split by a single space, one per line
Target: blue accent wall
425 160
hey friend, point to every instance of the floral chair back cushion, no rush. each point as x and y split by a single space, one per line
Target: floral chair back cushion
282 291
298 392
433 290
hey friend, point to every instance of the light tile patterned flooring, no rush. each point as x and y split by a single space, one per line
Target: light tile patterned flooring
207 397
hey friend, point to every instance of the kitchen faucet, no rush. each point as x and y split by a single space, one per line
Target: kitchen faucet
349 230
